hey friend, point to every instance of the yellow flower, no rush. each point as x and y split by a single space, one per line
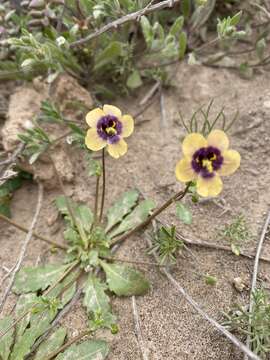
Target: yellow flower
205 160
108 127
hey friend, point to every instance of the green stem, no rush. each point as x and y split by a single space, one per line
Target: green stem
96 199
103 186
174 198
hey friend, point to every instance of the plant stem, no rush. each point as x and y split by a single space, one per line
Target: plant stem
40 237
103 185
96 199
133 261
65 346
169 202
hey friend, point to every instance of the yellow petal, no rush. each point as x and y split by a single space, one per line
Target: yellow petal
112 110
209 186
192 143
231 162
184 171
118 149
93 141
93 116
128 125
218 139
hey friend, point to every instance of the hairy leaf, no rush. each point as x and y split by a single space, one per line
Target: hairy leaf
88 350
138 215
7 340
121 208
51 344
183 213
124 280
31 279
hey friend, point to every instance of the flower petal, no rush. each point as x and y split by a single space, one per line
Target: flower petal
112 110
128 125
184 171
231 162
93 141
209 186
192 143
93 116
117 149
218 139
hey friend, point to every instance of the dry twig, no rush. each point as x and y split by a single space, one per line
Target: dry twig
138 330
25 245
255 271
127 18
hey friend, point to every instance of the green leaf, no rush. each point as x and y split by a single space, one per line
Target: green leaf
110 53
51 344
236 18
97 303
31 279
210 280
134 80
177 26
260 48
85 216
186 8
147 31
7 340
121 208
138 215
88 350
61 204
182 45
25 303
124 280
235 249
183 213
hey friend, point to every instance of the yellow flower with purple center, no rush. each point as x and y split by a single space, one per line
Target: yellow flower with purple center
206 160
108 127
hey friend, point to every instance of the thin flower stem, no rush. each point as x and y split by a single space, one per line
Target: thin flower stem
38 236
180 195
69 343
103 185
96 199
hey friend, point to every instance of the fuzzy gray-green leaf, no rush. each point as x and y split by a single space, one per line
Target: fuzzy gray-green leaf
7 340
31 279
124 280
138 215
121 208
183 213
88 350
51 344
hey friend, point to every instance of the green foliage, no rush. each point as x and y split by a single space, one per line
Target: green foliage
237 233
166 244
90 350
7 341
124 280
7 189
54 342
210 280
227 28
254 323
183 213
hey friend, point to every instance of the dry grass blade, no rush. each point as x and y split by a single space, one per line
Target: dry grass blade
255 271
213 322
24 246
138 330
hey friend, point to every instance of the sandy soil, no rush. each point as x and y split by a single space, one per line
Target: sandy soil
171 328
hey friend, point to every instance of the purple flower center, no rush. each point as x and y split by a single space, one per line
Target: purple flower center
206 161
109 128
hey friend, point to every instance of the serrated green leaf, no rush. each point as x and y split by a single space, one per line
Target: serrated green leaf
88 350
134 80
182 45
85 216
183 213
97 303
51 344
138 215
31 279
7 340
124 280
121 208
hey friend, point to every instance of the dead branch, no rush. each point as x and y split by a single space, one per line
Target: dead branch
135 16
255 272
138 330
24 246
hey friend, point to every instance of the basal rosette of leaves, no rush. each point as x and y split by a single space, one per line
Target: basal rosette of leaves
89 248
